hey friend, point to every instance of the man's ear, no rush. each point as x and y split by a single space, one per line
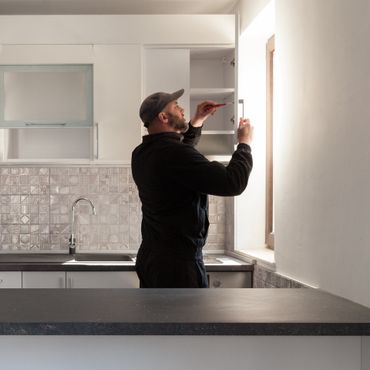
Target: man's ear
163 117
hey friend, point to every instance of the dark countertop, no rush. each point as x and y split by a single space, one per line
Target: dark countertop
179 312
65 262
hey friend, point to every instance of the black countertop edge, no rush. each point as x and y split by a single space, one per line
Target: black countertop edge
104 267
199 329
61 267
229 268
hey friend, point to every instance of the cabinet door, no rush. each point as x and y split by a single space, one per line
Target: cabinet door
43 279
10 279
168 70
117 98
45 54
102 279
45 142
230 279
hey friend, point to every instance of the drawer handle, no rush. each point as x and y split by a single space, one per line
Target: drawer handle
1 281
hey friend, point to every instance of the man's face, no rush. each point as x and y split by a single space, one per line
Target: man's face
176 117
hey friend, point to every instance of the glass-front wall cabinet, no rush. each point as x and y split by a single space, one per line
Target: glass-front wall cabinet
46 111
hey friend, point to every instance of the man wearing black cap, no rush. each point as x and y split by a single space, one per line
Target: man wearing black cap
174 180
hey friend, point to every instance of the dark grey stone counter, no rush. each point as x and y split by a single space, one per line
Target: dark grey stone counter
179 312
65 262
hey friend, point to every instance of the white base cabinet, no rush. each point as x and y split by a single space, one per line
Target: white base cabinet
43 279
223 279
10 279
106 279
102 279
69 279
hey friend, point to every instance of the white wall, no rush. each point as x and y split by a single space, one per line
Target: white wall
250 206
322 151
248 10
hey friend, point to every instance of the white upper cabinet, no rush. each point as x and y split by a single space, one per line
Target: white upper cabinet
117 97
109 75
212 77
130 56
45 54
46 102
206 73
46 86
167 70
48 95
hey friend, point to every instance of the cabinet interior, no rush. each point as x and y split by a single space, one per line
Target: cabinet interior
45 143
46 111
212 77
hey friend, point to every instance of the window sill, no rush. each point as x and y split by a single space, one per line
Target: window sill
262 256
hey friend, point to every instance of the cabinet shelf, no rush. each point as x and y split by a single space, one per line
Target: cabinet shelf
219 158
218 132
216 144
211 93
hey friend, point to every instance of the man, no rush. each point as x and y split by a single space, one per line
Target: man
174 179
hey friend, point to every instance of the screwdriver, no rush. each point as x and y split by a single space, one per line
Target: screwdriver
219 105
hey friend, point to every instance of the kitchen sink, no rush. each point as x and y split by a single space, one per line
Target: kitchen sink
102 257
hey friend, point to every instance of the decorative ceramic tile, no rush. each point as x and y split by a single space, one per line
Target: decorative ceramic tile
4 171
35 208
264 278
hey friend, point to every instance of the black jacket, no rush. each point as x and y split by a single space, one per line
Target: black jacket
173 180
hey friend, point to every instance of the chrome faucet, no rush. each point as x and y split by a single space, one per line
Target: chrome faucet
72 238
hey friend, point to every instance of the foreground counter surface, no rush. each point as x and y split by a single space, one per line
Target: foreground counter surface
180 312
278 329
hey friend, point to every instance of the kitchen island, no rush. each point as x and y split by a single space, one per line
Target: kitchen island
182 329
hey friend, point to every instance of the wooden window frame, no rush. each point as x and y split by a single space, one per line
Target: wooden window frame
269 225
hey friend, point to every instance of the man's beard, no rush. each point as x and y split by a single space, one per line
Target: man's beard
179 124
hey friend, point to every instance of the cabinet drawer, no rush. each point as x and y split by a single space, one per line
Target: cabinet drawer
242 279
102 279
43 279
10 279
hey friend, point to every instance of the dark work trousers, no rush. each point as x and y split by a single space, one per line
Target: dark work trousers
168 271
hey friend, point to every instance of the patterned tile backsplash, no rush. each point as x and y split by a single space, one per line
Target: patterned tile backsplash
266 278
35 204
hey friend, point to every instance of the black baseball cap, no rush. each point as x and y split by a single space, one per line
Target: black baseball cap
155 103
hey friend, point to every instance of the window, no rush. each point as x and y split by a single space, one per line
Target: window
270 50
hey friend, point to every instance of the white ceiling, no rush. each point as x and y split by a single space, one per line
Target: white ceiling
117 6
